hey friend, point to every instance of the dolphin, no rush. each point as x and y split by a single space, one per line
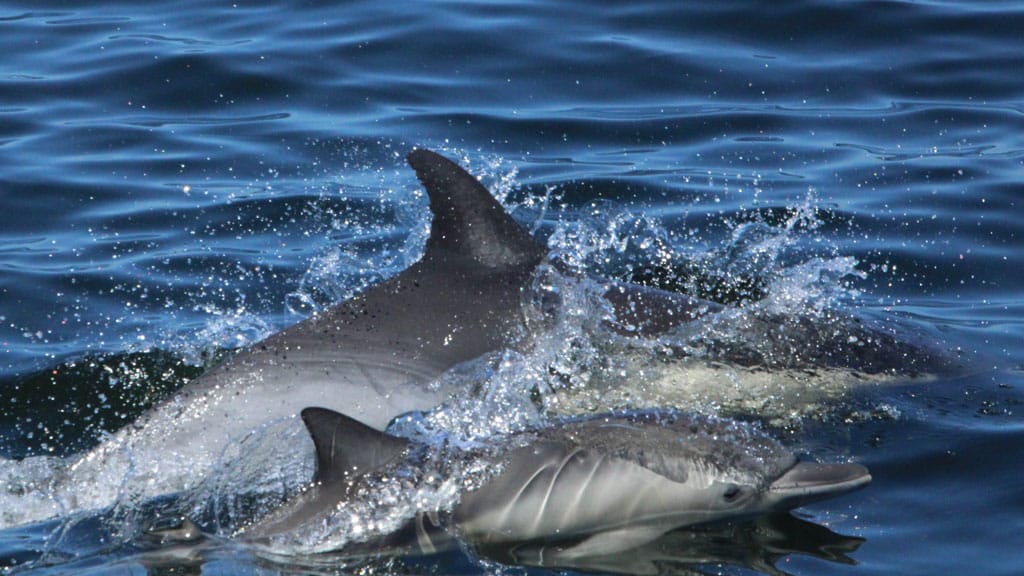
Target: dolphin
604 484
373 357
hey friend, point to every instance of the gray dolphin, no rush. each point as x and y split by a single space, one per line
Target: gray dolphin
373 357
607 483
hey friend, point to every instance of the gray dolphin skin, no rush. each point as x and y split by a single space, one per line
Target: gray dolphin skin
606 483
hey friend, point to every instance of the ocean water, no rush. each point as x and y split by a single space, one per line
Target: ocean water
182 178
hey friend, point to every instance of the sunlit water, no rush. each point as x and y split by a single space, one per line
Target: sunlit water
184 178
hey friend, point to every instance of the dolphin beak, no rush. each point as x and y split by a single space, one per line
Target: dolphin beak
808 482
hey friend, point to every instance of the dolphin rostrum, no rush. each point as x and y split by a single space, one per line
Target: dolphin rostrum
604 483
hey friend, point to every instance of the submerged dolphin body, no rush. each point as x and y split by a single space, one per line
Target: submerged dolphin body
605 484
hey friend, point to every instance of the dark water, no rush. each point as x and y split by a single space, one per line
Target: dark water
183 177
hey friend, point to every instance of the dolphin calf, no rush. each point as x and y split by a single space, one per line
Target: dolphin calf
604 484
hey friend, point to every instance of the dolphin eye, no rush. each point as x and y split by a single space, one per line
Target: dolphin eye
732 493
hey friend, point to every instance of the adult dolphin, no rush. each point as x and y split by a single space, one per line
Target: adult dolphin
372 357
602 484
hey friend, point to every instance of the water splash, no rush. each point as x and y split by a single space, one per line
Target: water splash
774 270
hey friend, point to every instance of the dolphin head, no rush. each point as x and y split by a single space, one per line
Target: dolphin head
729 469
802 483
807 482
612 482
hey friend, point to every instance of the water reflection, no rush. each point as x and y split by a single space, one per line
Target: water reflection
757 545
425 546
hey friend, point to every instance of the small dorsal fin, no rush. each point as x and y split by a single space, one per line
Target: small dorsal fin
346 447
183 530
467 219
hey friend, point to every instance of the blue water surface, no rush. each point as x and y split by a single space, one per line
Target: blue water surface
177 178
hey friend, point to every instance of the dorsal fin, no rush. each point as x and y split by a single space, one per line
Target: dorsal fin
346 447
467 220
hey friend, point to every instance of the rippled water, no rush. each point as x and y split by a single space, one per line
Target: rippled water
183 177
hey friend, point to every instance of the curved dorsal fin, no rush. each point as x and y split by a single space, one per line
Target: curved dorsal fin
346 447
467 220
